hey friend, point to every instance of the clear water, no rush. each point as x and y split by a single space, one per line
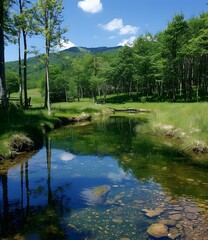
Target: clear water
104 181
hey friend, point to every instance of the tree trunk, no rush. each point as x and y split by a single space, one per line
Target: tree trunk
25 68
20 69
47 79
3 93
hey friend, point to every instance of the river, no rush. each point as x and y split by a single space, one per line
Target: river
104 180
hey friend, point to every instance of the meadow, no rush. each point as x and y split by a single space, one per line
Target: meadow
185 123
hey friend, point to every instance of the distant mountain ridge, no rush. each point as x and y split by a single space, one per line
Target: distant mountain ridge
92 50
36 68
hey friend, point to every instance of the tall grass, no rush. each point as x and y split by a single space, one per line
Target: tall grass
187 122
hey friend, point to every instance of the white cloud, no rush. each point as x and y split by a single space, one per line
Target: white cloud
91 6
67 156
117 24
113 25
64 44
129 42
128 29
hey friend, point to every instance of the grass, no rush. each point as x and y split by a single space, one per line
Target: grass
185 122
34 121
23 124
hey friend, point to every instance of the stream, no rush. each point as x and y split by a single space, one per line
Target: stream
104 181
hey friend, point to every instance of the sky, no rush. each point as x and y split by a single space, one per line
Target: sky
98 23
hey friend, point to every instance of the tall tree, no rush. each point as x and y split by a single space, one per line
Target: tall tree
173 39
144 48
23 24
3 12
125 69
48 18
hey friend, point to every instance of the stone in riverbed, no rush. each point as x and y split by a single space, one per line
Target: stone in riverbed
117 220
100 191
176 217
95 195
168 222
191 216
158 230
153 212
174 233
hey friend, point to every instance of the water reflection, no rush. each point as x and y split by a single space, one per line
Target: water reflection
103 181
30 208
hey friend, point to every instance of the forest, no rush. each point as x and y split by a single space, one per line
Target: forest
168 66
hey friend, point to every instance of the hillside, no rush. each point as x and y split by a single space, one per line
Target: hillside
36 67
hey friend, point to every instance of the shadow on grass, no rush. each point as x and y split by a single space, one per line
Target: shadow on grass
16 120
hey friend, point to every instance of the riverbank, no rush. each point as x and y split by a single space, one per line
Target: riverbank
184 123
24 130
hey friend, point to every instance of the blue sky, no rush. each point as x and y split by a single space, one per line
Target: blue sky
96 23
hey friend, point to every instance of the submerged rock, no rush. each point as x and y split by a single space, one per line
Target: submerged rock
191 216
153 212
158 230
168 222
95 196
176 217
174 233
100 191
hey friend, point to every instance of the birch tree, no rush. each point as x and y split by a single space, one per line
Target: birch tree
49 19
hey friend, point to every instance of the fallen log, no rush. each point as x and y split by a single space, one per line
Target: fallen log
131 110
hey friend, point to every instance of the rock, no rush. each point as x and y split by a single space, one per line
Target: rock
110 202
178 209
168 222
174 233
191 209
153 212
100 191
117 197
158 230
117 220
168 199
191 216
176 217
96 195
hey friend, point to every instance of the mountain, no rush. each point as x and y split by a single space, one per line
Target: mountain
91 50
35 70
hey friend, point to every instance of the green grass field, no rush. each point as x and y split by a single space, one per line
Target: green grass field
185 122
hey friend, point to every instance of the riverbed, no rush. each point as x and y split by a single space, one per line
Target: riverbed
103 180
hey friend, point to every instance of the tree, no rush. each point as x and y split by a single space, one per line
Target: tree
59 86
144 49
173 40
3 12
12 82
23 24
48 19
125 69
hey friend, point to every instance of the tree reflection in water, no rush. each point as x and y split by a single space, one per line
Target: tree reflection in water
22 216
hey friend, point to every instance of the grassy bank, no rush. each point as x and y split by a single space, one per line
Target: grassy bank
24 130
186 123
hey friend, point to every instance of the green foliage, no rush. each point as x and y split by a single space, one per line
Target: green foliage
12 82
169 66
